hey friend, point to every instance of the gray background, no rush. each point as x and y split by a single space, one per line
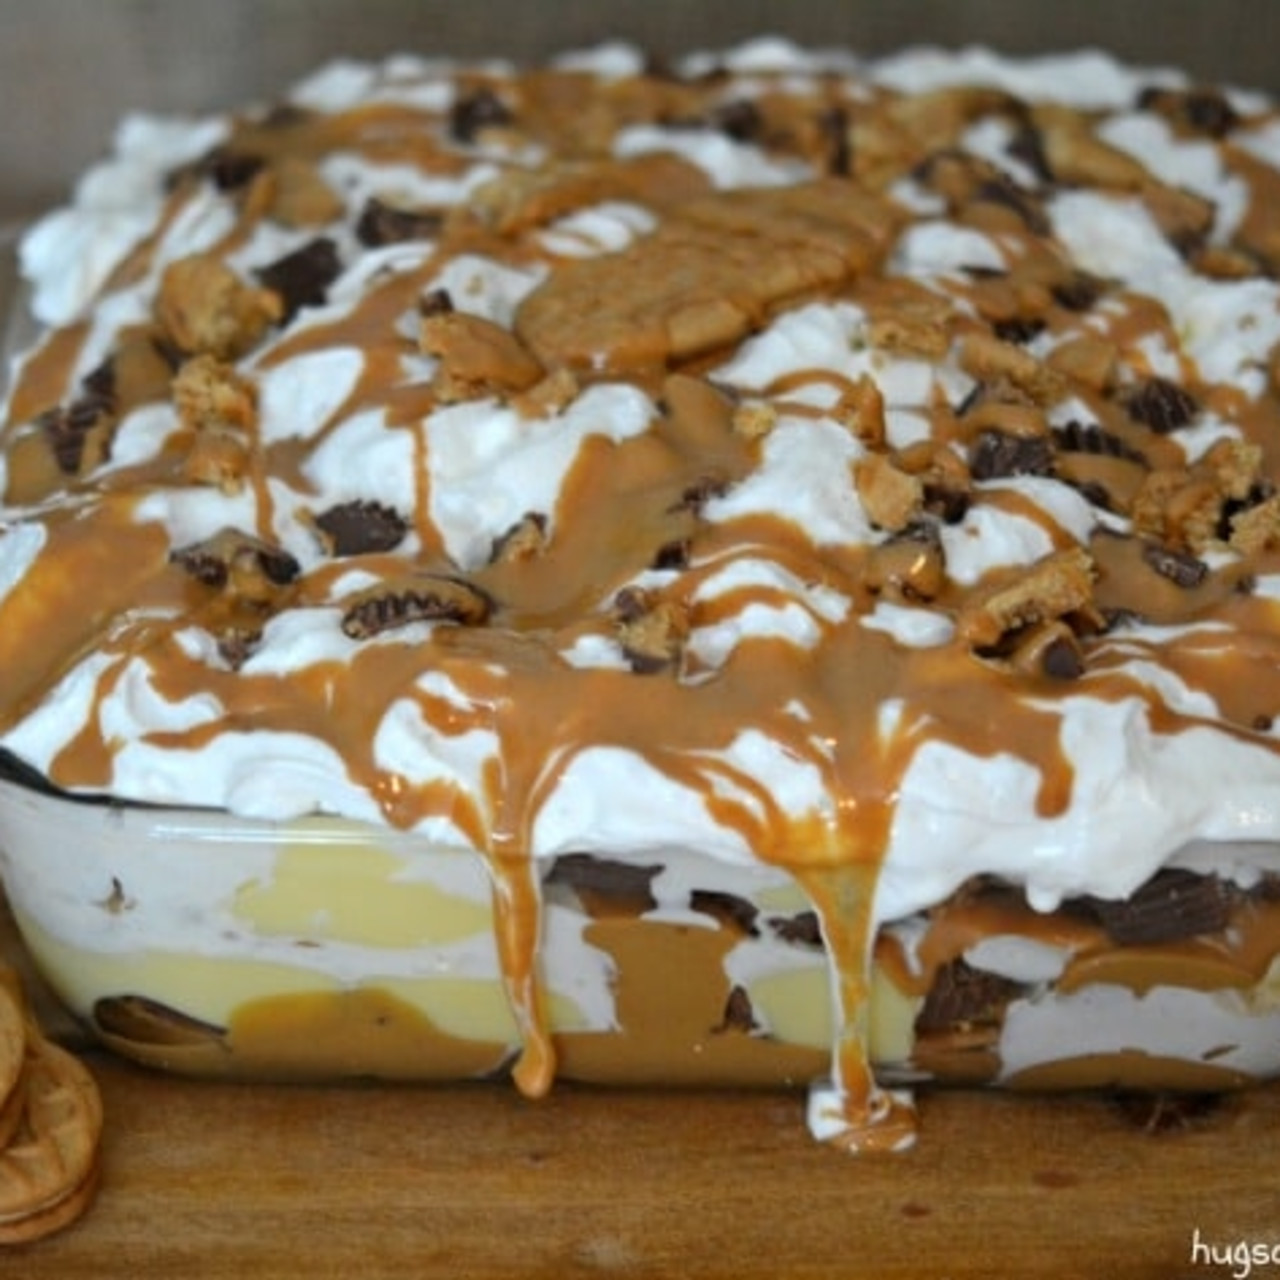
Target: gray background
68 68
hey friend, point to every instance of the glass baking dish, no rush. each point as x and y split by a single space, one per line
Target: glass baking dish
325 949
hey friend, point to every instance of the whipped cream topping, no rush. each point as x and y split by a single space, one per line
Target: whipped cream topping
858 468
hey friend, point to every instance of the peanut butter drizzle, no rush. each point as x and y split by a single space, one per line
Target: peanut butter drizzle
622 504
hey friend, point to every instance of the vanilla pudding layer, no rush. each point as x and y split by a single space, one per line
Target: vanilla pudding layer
854 481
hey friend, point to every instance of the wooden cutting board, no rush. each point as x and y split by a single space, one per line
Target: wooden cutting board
251 1182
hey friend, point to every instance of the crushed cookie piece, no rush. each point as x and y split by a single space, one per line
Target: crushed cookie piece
1091 361
944 475
475 112
1053 587
1078 157
1256 528
208 393
754 419
302 278
381 223
524 540
1185 218
891 498
861 410
204 307
1162 405
548 396
238 562
477 356
985 357
414 597
651 631
221 408
361 527
910 567
300 197
996 455
1204 506
1006 417
1179 567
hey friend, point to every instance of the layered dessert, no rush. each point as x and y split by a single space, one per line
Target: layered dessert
758 570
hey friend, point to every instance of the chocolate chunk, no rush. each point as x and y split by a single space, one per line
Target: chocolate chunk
1180 567
236 645
801 930
696 495
1088 437
1171 906
587 873
1079 292
963 997
230 170
67 428
1027 145
435 302
1018 329
672 555
381 224
1162 405
739 119
738 1013
997 454
1061 659
737 913
1201 110
950 505
216 561
1095 493
833 127
1006 193
302 278
476 111
360 527
424 597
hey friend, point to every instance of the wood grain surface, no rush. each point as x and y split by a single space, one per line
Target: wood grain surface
213 1180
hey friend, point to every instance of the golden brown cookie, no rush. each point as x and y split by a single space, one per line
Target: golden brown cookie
48 1169
14 1035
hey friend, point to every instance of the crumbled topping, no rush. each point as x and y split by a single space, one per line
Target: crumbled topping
205 308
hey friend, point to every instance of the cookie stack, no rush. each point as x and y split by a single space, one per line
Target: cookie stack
50 1126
